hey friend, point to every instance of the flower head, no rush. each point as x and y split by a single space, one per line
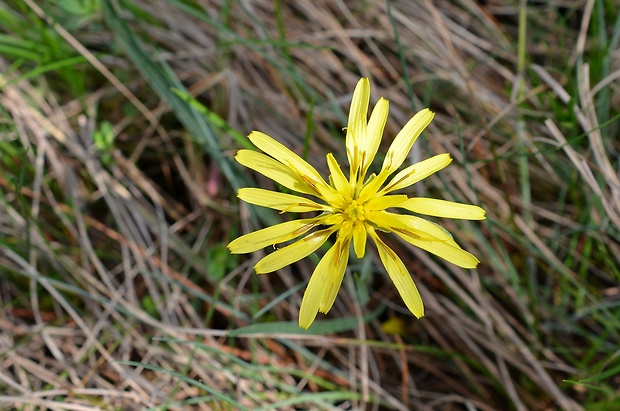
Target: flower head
353 208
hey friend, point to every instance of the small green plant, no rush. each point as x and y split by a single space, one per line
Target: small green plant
103 138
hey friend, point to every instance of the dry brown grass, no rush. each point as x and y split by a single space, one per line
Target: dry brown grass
110 297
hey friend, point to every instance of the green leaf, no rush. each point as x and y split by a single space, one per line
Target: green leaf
104 136
317 328
219 261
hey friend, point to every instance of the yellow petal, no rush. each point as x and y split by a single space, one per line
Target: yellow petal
417 172
306 172
400 147
359 239
336 276
279 201
443 208
278 151
274 170
346 229
358 122
294 252
383 202
311 301
331 219
374 134
409 225
271 235
448 250
400 277
341 183
372 185
319 281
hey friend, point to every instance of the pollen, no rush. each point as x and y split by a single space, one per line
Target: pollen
355 212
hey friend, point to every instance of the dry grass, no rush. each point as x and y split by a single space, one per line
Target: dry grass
116 291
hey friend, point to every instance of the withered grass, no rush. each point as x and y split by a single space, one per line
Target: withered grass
117 199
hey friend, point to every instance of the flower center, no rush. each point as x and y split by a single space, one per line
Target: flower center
355 211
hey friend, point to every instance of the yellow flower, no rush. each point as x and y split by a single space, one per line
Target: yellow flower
354 208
